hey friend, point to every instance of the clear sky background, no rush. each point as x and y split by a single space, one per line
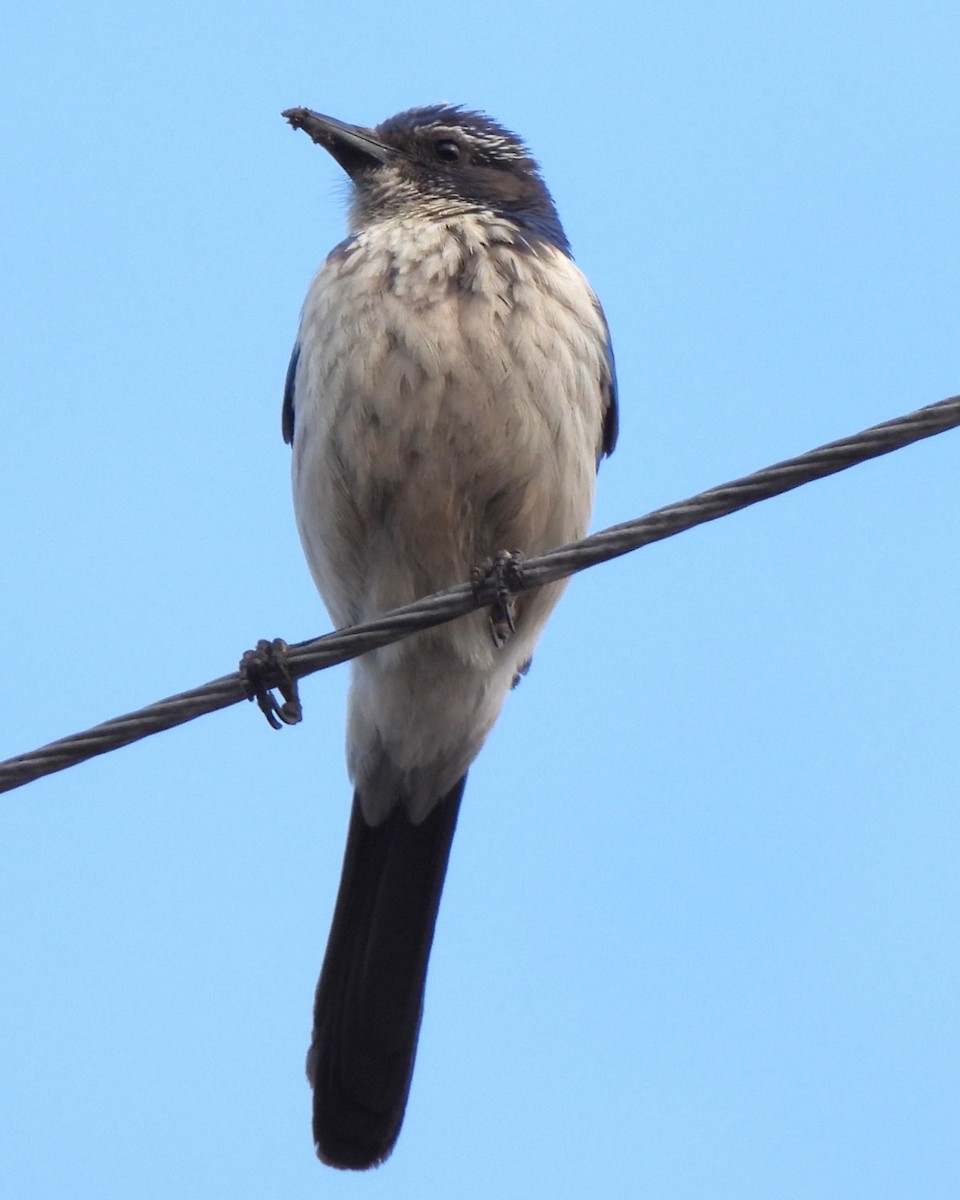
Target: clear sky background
699 936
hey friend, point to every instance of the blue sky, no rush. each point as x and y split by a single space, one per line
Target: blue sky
699 936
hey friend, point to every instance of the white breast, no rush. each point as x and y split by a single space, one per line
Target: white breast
449 404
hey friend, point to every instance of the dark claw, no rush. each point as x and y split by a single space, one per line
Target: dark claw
506 569
266 668
524 669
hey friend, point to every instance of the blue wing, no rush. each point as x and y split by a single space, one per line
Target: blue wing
286 420
611 416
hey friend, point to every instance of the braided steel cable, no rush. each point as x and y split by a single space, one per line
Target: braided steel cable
315 655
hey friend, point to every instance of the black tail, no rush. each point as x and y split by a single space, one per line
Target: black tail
366 1017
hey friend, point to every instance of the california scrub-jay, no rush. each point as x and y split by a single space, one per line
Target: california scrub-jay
449 397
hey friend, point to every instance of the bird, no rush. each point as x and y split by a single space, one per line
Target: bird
449 398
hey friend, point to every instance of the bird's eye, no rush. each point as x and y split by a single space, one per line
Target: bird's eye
446 150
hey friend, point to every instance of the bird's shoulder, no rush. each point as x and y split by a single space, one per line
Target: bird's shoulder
479 258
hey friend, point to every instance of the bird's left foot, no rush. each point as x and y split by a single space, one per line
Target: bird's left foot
266 668
506 571
523 669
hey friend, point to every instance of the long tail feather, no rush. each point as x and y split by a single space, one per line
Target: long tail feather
370 996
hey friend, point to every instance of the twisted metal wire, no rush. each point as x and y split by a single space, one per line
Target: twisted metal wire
319 653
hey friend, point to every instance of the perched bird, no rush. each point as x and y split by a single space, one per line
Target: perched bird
450 395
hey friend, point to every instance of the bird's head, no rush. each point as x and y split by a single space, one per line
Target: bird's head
437 162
